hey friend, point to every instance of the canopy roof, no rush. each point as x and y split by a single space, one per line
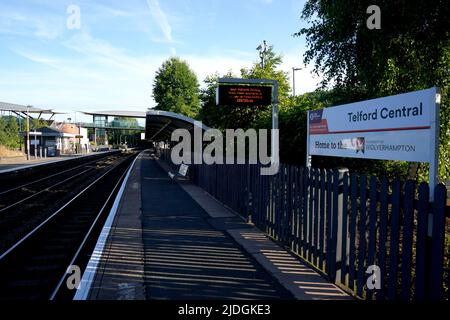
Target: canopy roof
161 124
117 113
17 108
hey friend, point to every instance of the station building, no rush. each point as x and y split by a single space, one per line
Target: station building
58 139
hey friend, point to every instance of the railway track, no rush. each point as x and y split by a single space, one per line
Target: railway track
24 175
34 265
26 206
23 192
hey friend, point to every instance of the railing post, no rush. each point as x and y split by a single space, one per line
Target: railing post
249 194
438 244
337 223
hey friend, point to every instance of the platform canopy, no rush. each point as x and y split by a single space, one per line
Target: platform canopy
24 111
161 124
117 113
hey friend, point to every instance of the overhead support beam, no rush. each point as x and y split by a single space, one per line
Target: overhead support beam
160 130
23 117
26 115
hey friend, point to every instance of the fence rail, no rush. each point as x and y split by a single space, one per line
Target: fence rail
342 224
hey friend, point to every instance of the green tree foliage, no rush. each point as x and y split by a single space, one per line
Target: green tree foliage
271 71
130 136
125 122
211 114
410 52
36 124
9 132
229 117
292 124
176 88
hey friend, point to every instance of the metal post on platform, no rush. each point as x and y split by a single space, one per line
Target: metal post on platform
275 133
308 154
434 152
28 133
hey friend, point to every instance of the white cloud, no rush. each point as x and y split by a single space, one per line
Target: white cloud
108 77
161 19
69 68
105 54
23 24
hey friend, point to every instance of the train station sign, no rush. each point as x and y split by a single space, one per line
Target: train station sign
244 95
404 127
401 127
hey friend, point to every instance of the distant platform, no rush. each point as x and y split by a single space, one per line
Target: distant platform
20 164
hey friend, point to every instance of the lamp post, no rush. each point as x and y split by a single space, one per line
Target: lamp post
293 79
262 48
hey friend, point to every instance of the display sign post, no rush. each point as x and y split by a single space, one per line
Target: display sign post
252 93
403 127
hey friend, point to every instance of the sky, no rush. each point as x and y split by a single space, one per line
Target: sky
107 59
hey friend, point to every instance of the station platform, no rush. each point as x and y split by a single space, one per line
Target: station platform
172 241
25 164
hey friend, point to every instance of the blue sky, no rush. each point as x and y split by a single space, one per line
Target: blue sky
110 62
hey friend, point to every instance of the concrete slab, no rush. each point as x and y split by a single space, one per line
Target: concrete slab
253 240
213 207
296 276
229 223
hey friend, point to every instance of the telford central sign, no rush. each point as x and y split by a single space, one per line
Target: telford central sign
244 95
402 127
386 113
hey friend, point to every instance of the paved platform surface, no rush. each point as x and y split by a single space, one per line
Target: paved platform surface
173 241
21 164
34 162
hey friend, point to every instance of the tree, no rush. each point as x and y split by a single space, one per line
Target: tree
410 52
130 136
176 88
9 132
232 117
292 124
36 124
211 114
271 71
